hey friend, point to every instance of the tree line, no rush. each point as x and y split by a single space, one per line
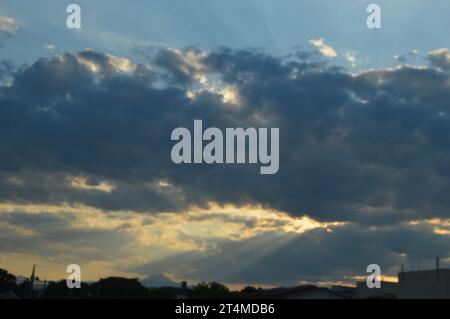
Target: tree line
118 288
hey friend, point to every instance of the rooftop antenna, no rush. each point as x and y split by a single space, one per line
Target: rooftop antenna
30 291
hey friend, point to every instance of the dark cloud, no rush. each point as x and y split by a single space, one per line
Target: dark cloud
54 236
6 70
406 57
178 65
371 147
315 256
440 58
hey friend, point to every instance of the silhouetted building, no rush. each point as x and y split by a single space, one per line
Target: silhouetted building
299 292
9 295
344 291
421 284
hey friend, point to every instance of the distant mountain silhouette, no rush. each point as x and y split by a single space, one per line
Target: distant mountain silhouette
159 280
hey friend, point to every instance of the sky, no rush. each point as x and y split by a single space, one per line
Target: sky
86 117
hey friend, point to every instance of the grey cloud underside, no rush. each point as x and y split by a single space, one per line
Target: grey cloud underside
315 256
6 70
372 147
53 236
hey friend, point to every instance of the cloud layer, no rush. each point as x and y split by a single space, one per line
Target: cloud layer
8 28
367 149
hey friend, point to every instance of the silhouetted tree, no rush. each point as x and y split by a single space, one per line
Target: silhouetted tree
211 290
249 290
119 288
59 290
7 282
161 293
